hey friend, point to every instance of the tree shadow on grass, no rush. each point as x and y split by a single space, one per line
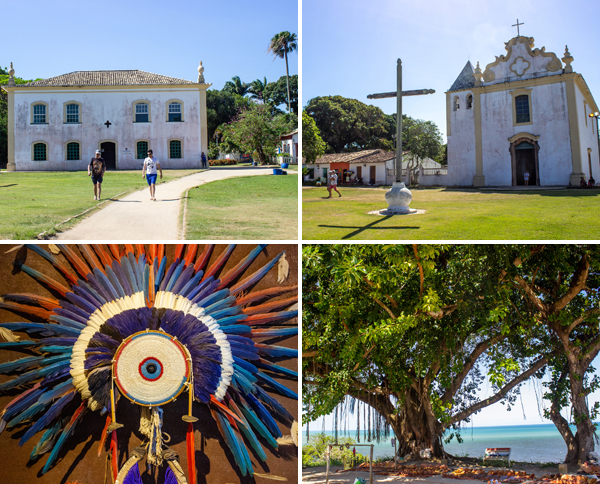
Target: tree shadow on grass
533 190
6 186
370 226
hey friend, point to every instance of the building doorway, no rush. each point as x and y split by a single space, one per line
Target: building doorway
372 175
109 153
525 161
524 158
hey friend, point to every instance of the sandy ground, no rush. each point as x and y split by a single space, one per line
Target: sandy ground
316 475
136 217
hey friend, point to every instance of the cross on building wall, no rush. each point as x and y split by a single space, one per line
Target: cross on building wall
108 123
517 25
417 92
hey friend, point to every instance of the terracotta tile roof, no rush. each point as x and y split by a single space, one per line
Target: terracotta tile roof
107 78
366 156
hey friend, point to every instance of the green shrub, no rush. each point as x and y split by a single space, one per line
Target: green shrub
222 162
313 452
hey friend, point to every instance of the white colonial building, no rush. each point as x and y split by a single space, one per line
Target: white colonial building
527 112
59 123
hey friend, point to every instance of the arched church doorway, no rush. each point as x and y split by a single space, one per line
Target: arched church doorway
109 153
524 159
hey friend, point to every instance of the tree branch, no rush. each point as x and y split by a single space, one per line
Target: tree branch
503 391
388 310
575 287
421 275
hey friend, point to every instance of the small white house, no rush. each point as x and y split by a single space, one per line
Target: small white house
289 147
368 167
59 123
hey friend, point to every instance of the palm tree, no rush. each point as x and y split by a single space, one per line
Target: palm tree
280 45
257 89
236 86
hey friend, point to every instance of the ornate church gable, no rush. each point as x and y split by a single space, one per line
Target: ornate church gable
521 61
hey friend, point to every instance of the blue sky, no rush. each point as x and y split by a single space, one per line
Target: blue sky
350 47
46 39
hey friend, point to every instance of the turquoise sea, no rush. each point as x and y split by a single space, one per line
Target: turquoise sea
529 443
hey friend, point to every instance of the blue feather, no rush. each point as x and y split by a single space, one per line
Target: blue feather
106 284
18 344
273 404
191 284
115 281
213 298
47 441
219 313
118 270
34 374
146 283
276 351
68 430
249 434
129 274
276 332
277 386
263 414
259 426
175 276
160 273
67 322
267 365
87 292
53 412
232 443
231 320
42 328
20 364
235 329
58 391
81 302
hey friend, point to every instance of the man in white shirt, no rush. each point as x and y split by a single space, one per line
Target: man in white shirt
149 171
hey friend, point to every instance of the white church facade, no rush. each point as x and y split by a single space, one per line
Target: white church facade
59 123
525 113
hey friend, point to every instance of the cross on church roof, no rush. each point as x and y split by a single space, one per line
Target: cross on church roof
517 25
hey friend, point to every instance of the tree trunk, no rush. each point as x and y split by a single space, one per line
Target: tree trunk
414 430
287 79
581 416
563 427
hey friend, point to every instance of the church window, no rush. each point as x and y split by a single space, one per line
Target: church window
141 112
72 111
39 114
175 148
174 112
40 152
73 151
522 109
470 101
141 150
456 105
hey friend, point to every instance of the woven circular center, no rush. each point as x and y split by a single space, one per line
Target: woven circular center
151 368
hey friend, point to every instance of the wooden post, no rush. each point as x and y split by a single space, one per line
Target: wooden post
399 123
327 469
371 466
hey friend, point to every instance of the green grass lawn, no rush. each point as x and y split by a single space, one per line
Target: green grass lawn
254 207
33 203
467 214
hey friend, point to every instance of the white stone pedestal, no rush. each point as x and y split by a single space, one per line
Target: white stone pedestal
398 198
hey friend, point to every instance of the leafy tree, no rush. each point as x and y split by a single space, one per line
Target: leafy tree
236 86
350 125
558 287
275 92
255 130
4 114
222 107
280 45
257 89
411 332
422 139
313 145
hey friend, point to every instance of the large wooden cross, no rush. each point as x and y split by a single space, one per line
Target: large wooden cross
399 114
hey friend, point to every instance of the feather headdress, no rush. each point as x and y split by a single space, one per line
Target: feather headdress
124 322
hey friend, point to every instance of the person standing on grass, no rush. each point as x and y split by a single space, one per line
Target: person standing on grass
332 185
96 170
149 171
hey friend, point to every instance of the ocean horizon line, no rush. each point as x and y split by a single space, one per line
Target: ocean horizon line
463 428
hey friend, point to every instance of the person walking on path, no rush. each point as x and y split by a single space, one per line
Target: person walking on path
332 185
96 170
204 162
149 171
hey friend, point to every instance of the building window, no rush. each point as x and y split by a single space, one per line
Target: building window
175 148
456 105
73 151
175 112
72 113
40 152
470 101
141 150
39 114
522 109
141 112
